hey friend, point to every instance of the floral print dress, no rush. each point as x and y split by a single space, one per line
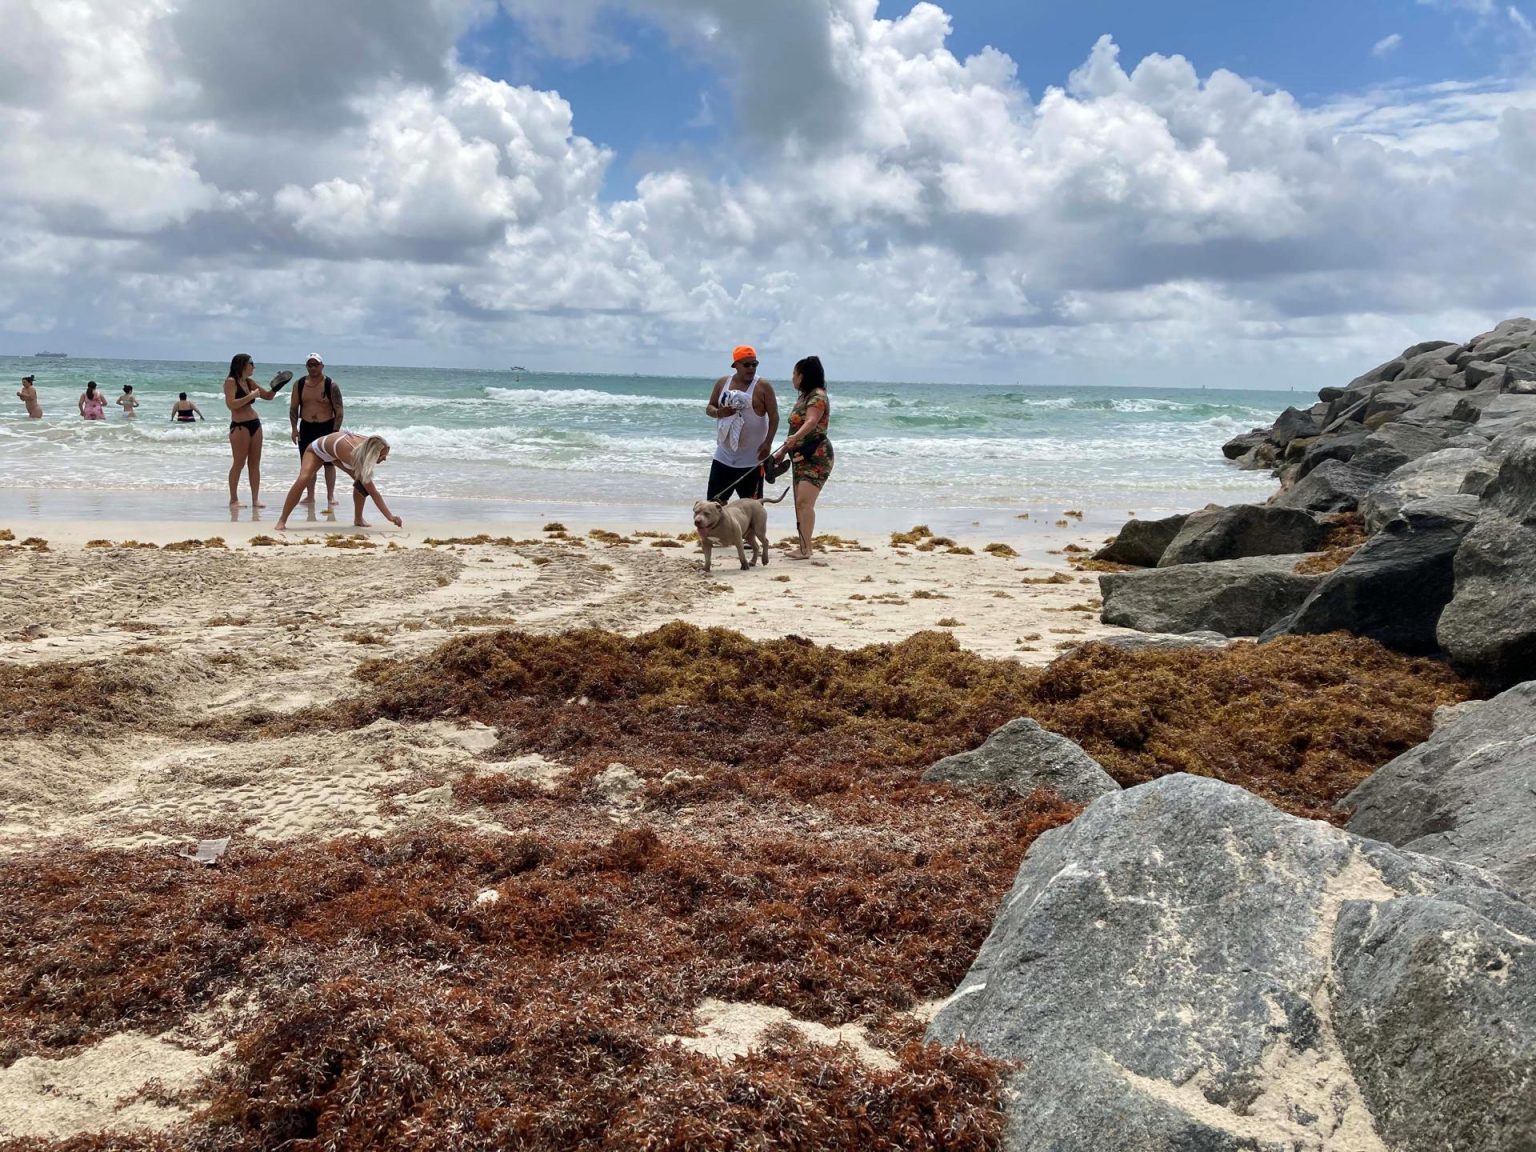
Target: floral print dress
813 457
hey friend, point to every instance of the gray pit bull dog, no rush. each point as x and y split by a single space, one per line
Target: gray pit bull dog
737 524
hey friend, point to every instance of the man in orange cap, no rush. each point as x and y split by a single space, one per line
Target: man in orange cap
746 414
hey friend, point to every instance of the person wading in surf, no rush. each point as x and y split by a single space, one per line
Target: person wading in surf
315 410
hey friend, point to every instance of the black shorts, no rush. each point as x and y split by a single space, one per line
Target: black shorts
310 432
746 483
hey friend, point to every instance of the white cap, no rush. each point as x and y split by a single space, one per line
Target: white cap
315 356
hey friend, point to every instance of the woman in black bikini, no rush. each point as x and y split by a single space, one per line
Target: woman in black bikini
240 394
185 412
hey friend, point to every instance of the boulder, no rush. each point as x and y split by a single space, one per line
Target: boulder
1393 445
1395 586
1347 409
1293 422
1232 597
1512 491
1329 394
1447 348
1441 1043
1142 542
1335 446
1397 397
1332 486
1240 446
1506 414
1023 756
1435 364
1520 388
1479 372
1468 793
1489 627
1517 330
1441 473
1518 365
1243 530
1442 407
1382 372
1169 968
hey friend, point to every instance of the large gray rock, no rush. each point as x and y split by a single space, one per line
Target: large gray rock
1239 446
1468 793
1243 530
1506 414
1233 597
1479 372
1168 971
1142 542
1382 372
1519 365
1512 491
1394 588
1441 1043
1440 473
1393 445
1334 446
1023 756
1489 627
1293 422
1333 486
1430 364
1397 397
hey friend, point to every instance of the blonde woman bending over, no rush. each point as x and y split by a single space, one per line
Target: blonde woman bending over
357 456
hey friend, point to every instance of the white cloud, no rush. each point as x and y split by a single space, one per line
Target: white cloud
901 209
1387 45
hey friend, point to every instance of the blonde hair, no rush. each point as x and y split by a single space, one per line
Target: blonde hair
365 456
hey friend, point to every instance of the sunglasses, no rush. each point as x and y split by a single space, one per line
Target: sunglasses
746 363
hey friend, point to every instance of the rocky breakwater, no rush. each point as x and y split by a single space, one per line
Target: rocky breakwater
1406 512
1185 967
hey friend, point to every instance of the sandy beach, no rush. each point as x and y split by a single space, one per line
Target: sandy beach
248 622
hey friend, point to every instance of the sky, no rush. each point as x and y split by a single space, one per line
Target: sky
1275 193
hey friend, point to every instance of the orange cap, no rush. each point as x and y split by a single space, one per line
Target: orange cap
743 352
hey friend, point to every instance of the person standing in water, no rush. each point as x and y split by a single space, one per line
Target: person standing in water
240 394
315 410
92 404
746 412
128 401
28 396
183 411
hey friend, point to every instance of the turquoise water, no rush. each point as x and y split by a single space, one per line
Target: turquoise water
478 439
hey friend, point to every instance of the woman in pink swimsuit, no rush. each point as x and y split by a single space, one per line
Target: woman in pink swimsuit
356 455
92 405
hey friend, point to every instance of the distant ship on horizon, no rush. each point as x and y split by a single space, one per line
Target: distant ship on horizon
50 355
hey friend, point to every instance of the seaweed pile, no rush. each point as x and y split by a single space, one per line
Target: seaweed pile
445 989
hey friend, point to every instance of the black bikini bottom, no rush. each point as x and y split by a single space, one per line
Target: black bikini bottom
251 426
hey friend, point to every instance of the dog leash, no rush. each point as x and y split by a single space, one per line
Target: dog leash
745 473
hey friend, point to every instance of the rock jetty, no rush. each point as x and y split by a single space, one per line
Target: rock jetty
1426 464
1184 967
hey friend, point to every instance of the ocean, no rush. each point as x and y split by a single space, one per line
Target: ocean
501 445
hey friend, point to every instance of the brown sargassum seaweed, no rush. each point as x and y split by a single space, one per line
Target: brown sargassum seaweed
785 852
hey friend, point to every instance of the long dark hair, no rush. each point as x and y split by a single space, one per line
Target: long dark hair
237 367
90 387
812 374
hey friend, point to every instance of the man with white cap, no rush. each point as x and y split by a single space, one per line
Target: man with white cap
314 409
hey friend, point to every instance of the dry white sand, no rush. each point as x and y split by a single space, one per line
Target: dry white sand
224 629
